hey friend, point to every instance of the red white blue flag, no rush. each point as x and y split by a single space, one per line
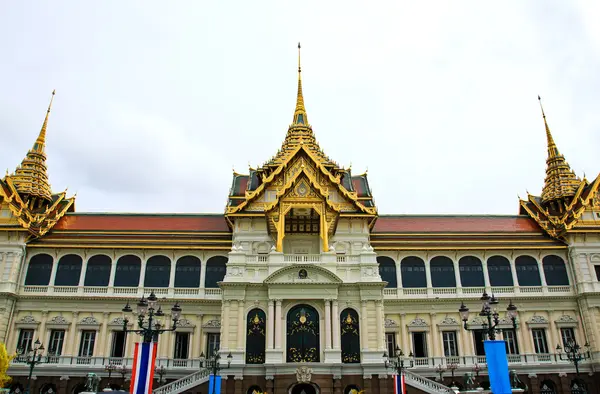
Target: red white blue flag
142 373
399 384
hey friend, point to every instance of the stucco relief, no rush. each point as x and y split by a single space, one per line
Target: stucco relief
418 322
449 321
566 319
389 323
28 320
185 323
212 324
535 319
58 320
90 320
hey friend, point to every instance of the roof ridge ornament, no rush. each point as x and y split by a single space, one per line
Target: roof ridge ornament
300 118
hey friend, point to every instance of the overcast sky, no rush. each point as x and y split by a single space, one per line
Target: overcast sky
157 101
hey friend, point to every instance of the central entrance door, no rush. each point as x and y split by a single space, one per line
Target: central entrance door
304 388
303 334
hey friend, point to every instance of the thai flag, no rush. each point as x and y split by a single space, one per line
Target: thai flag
399 384
142 373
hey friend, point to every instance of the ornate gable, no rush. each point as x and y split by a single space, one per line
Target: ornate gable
303 275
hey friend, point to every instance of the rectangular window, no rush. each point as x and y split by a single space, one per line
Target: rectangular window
213 343
450 344
478 338
390 340
419 344
539 340
567 335
57 338
86 346
25 341
182 342
118 344
510 338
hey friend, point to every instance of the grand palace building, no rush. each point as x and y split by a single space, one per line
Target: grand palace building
301 280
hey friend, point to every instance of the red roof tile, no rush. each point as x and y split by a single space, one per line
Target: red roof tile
454 224
124 222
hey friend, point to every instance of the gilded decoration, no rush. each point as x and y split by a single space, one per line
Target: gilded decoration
350 336
255 333
303 334
303 374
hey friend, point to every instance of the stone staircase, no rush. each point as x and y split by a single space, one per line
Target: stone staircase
425 384
197 378
186 383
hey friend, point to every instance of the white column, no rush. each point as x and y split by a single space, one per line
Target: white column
103 336
364 323
398 274
336 324
404 334
225 325
172 275
71 336
142 274
113 272
278 324
202 274
270 324
53 273
327 324
379 314
42 330
435 337
541 269
197 338
486 275
83 271
513 270
457 275
428 273
241 325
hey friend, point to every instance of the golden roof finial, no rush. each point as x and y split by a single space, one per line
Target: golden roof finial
560 180
40 143
300 117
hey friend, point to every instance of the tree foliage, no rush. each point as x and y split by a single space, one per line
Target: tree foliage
4 364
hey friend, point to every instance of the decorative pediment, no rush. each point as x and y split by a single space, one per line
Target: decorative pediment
28 319
418 322
303 274
538 320
58 321
185 323
477 321
212 324
389 323
449 321
117 321
89 321
566 321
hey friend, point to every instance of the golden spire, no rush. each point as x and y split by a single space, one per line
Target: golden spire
561 182
31 177
300 117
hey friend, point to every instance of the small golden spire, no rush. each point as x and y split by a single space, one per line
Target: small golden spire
300 117
40 143
561 182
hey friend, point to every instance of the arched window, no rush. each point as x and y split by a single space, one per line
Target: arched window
413 272
128 271
158 272
303 335
350 336
254 390
187 272
547 387
39 270
68 271
528 273
555 271
471 272
98 271
387 271
255 337
499 271
216 267
349 389
442 272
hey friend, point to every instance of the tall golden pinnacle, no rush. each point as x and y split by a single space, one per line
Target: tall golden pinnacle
561 182
300 117
31 177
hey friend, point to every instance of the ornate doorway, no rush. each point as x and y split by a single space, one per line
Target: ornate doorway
304 388
303 334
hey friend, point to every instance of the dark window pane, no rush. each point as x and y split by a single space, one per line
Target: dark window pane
555 271
442 272
387 271
40 268
413 272
255 337
350 334
216 268
527 271
471 272
68 270
98 271
499 271
158 272
128 271
187 272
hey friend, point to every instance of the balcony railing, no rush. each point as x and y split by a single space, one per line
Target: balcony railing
134 292
461 292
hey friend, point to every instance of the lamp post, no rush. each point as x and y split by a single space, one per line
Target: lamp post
150 328
32 358
110 368
452 367
440 370
213 363
490 328
397 360
160 371
123 370
573 353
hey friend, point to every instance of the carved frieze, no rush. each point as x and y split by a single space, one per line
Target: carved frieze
89 321
418 322
185 323
58 320
212 324
303 374
389 323
449 321
28 319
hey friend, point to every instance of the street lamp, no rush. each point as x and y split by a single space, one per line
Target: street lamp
213 363
452 367
397 360
440 370
32 358
573 353
150 328
489 311
110 368
160 371
123 371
